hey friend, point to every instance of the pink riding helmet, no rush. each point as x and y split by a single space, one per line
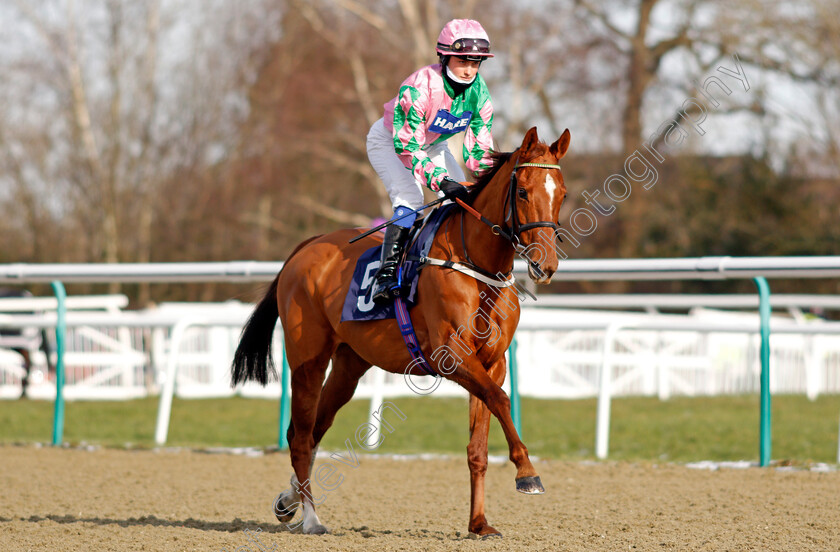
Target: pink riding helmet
464 37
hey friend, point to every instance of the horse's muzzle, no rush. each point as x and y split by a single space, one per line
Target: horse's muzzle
541 275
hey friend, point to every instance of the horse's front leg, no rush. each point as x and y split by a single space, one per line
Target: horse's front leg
472 376
477 461
477 456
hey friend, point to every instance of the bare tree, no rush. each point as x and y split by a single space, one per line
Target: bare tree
115 116
211 129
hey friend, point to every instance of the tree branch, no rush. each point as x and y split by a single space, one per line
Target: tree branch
336 215
375 21
602 17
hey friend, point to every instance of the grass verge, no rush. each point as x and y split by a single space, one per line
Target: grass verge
643 429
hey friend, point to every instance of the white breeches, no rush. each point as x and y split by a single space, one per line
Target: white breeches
399 181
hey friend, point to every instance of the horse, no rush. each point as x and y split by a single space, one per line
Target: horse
24 341
514 205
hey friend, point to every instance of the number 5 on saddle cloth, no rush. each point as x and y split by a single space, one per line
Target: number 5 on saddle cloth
358 303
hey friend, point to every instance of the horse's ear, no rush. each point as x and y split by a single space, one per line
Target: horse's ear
531 139
558 148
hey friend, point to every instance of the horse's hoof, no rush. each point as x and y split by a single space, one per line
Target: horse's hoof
484 532
316 530
530 485
284 512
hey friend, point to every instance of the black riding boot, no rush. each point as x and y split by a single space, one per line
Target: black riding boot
386 276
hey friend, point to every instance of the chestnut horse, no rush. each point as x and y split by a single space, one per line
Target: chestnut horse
516 204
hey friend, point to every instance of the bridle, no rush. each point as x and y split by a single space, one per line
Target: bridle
512 215
513 231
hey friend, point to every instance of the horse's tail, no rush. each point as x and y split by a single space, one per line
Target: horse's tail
252 360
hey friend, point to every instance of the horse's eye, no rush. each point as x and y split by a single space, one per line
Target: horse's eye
522 193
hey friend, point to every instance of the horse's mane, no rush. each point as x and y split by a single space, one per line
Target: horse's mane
499 158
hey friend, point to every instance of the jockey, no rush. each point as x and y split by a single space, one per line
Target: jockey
408 146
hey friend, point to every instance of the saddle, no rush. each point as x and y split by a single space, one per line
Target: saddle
358 303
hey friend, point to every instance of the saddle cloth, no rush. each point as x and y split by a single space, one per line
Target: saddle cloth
358 303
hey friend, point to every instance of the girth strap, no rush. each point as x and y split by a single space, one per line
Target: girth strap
407 331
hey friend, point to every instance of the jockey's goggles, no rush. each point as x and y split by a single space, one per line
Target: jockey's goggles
467 46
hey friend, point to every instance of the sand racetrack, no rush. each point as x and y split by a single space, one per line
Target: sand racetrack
72 499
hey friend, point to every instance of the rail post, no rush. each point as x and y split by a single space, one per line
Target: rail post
764 415
602 423
60 337
282 440
168 390
515 406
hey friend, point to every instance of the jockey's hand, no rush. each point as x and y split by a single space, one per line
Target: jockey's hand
452 189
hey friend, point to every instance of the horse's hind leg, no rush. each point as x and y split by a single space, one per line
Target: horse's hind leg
27 369
307 378
347 369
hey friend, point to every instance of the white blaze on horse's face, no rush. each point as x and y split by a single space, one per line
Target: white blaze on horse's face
550 186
